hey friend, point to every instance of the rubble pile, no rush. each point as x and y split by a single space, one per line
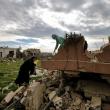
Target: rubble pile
13 98
61 94
56 91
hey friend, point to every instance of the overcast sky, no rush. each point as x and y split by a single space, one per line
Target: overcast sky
30 23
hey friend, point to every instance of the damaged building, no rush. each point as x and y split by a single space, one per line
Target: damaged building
31 52
72 79
6 52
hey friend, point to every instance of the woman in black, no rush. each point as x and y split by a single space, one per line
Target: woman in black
26 69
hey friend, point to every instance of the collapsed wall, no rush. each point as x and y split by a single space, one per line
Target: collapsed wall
74 57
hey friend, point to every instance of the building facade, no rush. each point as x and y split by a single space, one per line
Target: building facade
31 52
6 52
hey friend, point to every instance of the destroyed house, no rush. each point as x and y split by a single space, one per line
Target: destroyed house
31 52
73 79
6 52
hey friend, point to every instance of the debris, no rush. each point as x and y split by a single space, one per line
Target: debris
96 103
9 97
61 94
72 97
57 101
34 96
87 105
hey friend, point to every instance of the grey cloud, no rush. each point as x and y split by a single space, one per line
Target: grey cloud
98 9
96 13
17 12
99 31
61 5
18 42
39 29
11 11
29 40
42 4
66 5
10 43
89 29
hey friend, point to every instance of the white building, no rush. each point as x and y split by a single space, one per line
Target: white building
8 52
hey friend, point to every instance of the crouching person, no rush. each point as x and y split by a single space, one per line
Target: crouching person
26 69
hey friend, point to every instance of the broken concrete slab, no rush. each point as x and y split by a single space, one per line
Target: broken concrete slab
35 97
9 97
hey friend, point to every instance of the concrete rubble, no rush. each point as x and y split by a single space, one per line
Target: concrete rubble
53 91
67 96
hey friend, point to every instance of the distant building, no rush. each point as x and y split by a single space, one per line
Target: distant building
6 52
31 52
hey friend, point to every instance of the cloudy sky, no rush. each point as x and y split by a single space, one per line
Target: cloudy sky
30 23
